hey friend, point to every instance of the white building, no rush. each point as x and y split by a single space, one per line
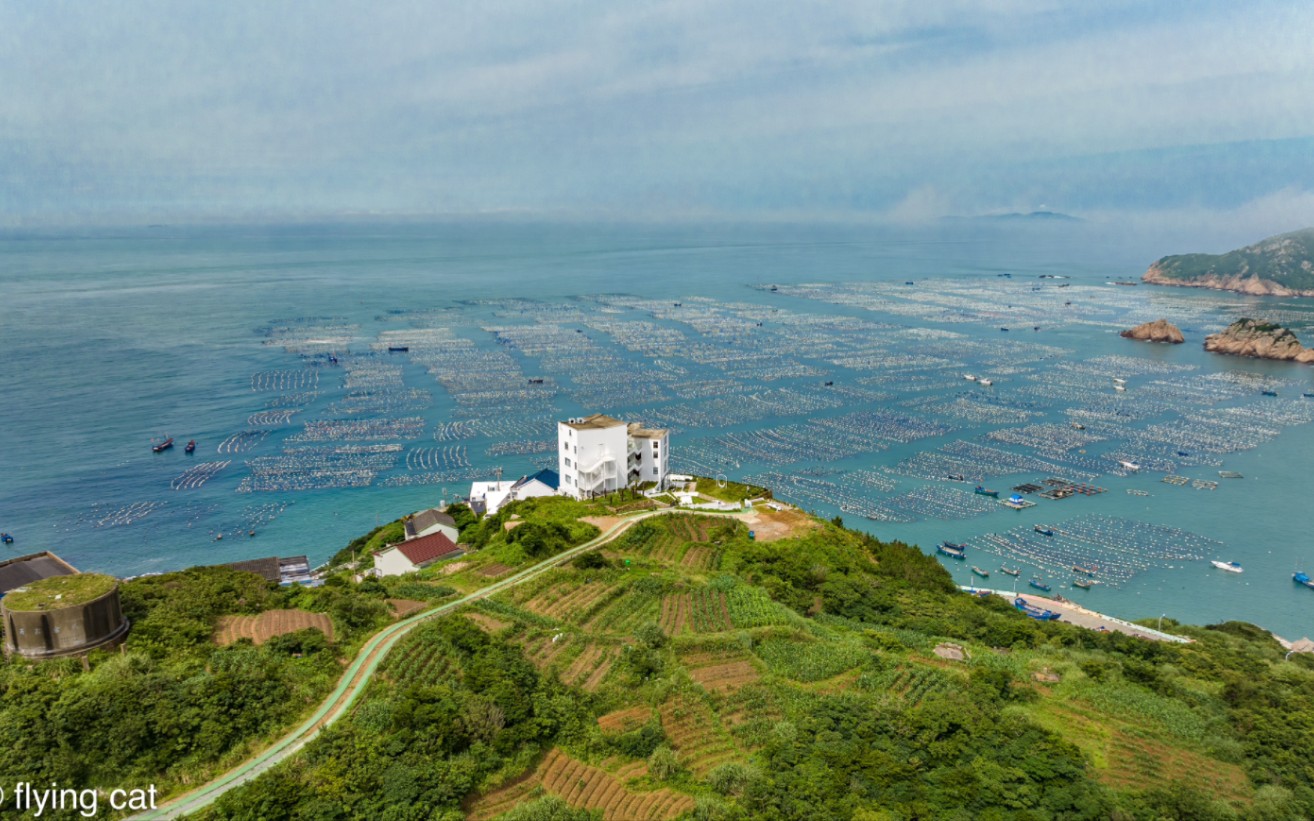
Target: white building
488 497
598 454
415 554
428 522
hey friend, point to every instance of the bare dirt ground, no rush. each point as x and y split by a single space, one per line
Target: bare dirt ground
769 525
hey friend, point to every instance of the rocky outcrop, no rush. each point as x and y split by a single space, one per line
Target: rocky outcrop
1262 340
1160 330
1278 266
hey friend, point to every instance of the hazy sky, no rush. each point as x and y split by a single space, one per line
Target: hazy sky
891 110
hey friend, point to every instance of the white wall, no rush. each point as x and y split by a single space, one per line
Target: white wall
391 562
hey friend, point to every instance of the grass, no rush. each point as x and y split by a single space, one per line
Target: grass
732 492
60 591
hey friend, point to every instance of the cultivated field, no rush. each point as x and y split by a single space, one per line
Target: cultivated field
270 623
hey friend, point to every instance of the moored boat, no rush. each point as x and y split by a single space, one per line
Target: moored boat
1228 474
985 574
191 446
1268 393
982 491
1043 530
1038 613
1039 585
163 446
1303 578
1084 584
1010 571
398 348
6 538
969 377
1230 567
953 551
984 381
1089 571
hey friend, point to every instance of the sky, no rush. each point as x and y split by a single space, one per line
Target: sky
669 109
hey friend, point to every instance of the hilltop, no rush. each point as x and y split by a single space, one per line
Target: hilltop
1282 265
1261 340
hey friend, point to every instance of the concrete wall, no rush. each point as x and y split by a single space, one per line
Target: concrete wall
66 630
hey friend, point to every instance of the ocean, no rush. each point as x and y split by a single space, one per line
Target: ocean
270 347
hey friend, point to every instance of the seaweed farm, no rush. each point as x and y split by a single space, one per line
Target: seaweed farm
321 413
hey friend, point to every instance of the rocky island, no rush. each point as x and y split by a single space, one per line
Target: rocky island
1160 330
1262 340
1282 265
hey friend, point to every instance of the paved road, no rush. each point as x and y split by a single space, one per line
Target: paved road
1074 613
358 675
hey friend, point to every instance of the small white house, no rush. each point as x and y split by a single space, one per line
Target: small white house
489 497
598 454
431 521
415 554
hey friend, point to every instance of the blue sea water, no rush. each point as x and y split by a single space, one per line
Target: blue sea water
114 339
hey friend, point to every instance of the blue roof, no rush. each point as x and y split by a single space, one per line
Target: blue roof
547 477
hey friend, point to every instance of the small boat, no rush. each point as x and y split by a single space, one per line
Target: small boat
1183 453
957 477
191 446
1303 578
774 288
1084 584
908 282
1037 613
1230 567
985 574
1011 571
1003 329
163 446
953 551
981 491
1268 393
398 348
1228 474
1132 466
1078 426
1308 394
969 377
333 359
1089 571
1043 531
1137 492
6 538
1039 585
1122 388
984 381
1118 380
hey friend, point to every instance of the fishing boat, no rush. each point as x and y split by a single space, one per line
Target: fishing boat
1118 380
1132 466
1003 329
985 574
969 377
191 446
1011 571
984 381
6 538
953 551
1268 393
1043 530
1308 394
957 477
1089 571
1037 613
981 491
1120 387
1303 578
1039 585
1078 426
398 348
1230 567
163 446
1084 584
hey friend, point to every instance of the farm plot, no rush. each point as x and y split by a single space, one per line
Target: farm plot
752 607
590 667
419 660
720 671
543 650
709 611
271 623
916 683
486 622
701 557
696 736
625 613
495 569
402 608
810 661
584 787
563 598
622 721
675 613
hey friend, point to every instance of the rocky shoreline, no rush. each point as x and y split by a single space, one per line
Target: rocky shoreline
1260 340
1160 330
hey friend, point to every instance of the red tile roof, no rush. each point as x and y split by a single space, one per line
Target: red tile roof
427 549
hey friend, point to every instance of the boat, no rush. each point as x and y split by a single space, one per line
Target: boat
1122 388
1230 567
1011 571
957 477
981 491
984 381
1303 578
969 377
1084 584
163 446
1003 329
1044 531
1228 474
1308 394
1118 380
398 348
1038 613
6 538
191 446
1132 466
985 574
1078 426
1268 393
1039 585
953 551
1089 571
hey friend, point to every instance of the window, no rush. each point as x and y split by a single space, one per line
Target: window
567 479
567 461
565 446
654 471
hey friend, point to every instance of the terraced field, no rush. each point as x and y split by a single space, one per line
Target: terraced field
270 623
696 736
720 671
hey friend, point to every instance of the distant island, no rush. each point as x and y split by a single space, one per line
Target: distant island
1038 216
1282 265
1160 330
1261 340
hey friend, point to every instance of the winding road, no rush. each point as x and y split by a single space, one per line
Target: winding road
358 676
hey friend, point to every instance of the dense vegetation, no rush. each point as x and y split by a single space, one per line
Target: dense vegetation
1285 259
687 670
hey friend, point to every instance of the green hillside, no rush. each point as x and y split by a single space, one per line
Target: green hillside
1285 259
688 671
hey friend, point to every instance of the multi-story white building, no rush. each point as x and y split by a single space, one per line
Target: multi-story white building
598 454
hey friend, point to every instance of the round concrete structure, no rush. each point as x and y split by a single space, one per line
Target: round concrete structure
62 616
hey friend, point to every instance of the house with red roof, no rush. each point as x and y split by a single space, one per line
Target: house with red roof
415 554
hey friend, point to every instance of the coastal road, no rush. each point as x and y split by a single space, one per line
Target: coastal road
1074 613
358 676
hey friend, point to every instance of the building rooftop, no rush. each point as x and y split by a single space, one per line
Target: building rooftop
57 592
638 431
34 567
598 421
268 567
547 477
426 519
425 549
